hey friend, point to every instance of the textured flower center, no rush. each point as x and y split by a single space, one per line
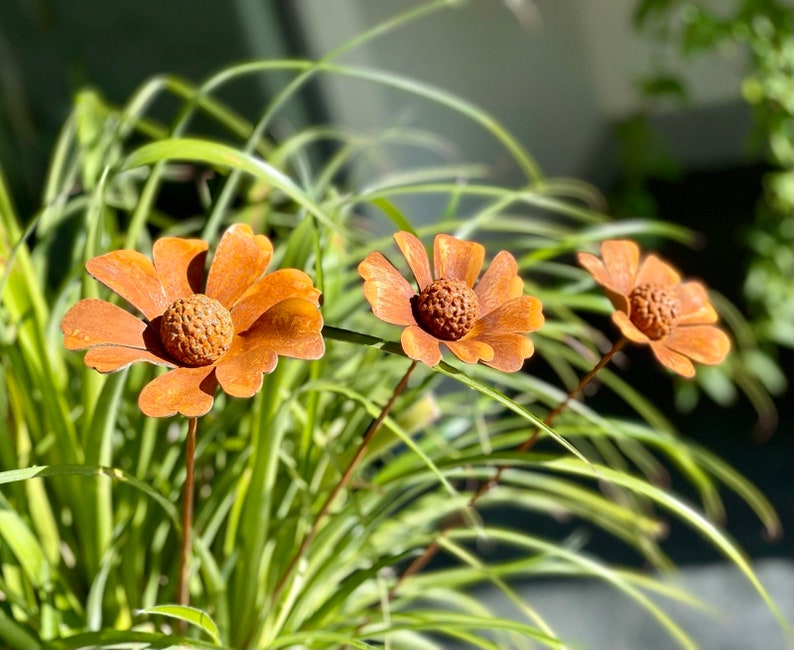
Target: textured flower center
447 309
196 330
654 310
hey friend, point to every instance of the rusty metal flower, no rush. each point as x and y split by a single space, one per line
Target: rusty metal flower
229 334
484 322
655 308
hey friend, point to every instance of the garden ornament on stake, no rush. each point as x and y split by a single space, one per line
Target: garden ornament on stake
229 335
653 306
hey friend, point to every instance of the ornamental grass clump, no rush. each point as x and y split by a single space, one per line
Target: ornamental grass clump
359 416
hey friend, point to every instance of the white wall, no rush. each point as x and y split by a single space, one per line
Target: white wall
556 80
533 80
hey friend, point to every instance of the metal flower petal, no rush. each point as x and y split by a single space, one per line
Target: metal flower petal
290 328
457 259
499 283
386 290
132 276
187 391
180 265
414 253
241 258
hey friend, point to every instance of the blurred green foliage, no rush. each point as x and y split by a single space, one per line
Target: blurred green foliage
762 28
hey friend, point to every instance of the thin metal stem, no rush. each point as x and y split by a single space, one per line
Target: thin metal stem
183 597
369 434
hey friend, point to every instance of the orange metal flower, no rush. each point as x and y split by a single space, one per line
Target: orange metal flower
483 322
656 308
229 335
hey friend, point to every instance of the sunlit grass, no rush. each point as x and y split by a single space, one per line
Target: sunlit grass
89 508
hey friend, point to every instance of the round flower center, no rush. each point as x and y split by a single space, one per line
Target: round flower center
196 330
654 310
447 309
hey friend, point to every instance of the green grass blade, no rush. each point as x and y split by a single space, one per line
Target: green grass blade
190 615
685 513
